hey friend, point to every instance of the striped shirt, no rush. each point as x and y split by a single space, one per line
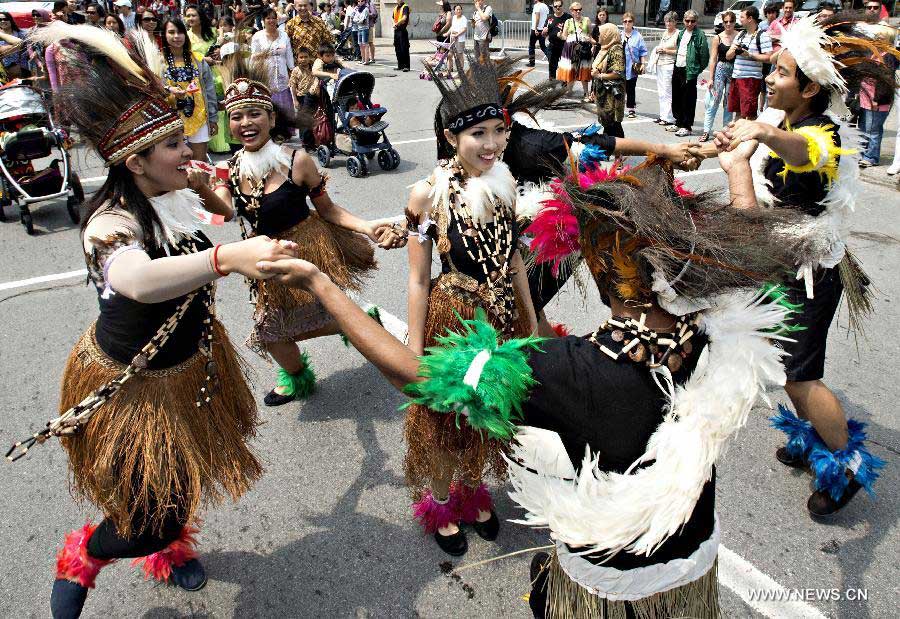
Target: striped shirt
744 66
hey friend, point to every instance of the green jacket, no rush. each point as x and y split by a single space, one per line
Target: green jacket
697 53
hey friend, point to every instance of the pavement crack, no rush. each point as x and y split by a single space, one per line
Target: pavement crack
44 289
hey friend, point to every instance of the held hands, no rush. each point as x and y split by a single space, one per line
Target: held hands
387 233
741 131
293 272
681 155
242 257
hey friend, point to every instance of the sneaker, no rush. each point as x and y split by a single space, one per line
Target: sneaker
894 169
863 163
488 529
682 133
630 114
821 505
454 545
671 128
191 576
787 459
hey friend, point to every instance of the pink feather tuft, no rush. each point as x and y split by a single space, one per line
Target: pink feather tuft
560 329
555 233
681 190
159 565
73 561
433 515
599 174
471 501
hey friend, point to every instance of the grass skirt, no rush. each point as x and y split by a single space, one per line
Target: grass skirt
150 445
435 445
284 313
566 599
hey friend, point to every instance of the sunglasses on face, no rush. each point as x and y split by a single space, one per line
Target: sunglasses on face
873 7
557 6
690 21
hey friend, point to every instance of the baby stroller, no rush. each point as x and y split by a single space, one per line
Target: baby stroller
437 61
358 126
27 133
345 47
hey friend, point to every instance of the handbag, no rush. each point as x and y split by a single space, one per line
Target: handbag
438 24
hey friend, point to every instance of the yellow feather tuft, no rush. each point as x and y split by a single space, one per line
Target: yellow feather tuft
821 150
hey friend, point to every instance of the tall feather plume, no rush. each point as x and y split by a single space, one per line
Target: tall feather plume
146 48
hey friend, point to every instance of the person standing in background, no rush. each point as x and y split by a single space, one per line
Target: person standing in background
273 47
360 19
126 14
690 60
635 56
749 51
373 19
665 65
777 27
305 29
481 27
575 63
553 32
539 14
874 107
401 35
720 71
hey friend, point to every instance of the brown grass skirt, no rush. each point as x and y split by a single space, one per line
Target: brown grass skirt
150 445
284 313
566 599
436 448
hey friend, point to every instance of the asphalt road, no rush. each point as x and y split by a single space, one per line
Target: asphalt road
327 532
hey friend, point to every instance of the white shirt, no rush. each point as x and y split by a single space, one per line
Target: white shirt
279 57
458 27
681 57
539 15
482 26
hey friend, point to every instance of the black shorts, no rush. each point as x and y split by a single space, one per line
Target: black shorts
807 352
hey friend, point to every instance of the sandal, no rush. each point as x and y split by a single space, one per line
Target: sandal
704 138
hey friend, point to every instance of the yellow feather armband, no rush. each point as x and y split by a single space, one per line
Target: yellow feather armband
822 152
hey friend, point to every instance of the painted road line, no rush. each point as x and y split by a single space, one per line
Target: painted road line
43 279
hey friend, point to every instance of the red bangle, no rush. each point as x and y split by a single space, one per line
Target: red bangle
216 261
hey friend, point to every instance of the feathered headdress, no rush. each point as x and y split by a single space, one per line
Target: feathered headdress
841 51
111 92
247 83
645 238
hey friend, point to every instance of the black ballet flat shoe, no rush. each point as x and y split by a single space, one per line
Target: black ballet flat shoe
488 529
191 576
787 459
67 599
454 545
273 398
539 563
821 505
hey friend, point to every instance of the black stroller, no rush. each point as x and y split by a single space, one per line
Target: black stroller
27 133
359 131
345 46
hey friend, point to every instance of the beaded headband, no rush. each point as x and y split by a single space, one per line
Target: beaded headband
243 92
142 125
478 114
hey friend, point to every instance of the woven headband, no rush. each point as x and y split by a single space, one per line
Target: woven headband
478 114
142 125
247 93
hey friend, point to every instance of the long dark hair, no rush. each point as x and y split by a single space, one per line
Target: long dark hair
119 191
12 22
186 51
206 29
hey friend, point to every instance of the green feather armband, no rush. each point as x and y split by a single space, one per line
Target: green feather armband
472 374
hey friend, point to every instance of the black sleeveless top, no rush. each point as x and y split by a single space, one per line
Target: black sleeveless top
459 254
125 325
612 406
279 210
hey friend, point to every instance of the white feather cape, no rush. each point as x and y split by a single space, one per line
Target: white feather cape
637 511
479 192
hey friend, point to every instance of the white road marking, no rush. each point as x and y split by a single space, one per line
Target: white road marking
42 279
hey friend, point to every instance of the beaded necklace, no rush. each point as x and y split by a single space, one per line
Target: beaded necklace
489 246
646 346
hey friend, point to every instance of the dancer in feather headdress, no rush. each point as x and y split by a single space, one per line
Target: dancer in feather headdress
798 157
268 185
156 412
624 425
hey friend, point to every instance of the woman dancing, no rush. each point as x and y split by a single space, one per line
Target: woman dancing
156 408
267 185
466 207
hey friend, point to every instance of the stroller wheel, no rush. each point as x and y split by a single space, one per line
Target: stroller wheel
356 166
27 221
77 188
72 204
389 159
323 154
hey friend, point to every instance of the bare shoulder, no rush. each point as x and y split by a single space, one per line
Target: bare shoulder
420 197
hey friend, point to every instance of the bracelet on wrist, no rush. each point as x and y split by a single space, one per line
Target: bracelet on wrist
215 261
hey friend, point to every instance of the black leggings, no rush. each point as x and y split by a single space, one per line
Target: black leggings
106 543
630 94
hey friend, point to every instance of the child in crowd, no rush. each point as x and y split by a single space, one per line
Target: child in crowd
327 66
305 88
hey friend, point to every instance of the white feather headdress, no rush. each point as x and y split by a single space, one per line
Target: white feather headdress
810 46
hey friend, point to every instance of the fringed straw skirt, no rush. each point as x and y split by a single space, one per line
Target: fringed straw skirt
284 313
436 447
150 445
566 599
